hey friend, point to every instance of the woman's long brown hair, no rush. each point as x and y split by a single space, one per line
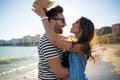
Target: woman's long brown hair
87 35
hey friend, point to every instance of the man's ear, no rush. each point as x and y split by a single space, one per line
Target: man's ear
52 21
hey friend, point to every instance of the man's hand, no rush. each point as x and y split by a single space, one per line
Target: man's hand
38 9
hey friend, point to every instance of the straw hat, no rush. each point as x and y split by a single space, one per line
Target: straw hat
45 3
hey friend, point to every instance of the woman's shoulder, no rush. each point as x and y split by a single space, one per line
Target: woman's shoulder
76 54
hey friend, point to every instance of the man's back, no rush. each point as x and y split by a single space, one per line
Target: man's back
47 51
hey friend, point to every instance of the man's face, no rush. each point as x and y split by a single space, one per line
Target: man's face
59 23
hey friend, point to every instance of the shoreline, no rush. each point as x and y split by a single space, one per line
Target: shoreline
22 73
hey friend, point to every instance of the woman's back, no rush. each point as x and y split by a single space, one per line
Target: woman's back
77 64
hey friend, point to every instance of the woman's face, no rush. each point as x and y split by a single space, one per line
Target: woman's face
76 27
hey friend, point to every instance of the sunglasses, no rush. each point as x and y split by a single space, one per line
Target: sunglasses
62 19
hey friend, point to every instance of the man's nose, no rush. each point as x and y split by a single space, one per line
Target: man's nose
65 24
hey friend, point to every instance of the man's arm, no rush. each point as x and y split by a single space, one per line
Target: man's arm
57 68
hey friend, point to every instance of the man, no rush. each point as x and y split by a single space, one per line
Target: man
49 66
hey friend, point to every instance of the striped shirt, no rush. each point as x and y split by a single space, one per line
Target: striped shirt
47 51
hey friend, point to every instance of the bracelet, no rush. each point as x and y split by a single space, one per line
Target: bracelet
44 17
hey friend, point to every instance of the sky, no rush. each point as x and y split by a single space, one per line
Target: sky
18 20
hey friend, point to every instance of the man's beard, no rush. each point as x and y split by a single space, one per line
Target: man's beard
58 29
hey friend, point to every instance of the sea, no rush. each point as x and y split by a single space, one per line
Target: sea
17 60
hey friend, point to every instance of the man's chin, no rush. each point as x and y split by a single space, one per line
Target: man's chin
59 32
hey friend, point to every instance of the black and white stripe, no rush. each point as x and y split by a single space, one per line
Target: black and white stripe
47 51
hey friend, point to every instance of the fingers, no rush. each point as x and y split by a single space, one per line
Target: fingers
34 5
37 1
37 8
33 10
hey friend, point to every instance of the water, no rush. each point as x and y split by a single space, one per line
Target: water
16 60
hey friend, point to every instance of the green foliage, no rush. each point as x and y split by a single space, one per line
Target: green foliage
104 30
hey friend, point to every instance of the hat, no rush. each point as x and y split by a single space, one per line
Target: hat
45 3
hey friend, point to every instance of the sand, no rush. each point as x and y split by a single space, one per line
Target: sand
112 55
107 66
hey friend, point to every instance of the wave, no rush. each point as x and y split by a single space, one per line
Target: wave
9 60
20 68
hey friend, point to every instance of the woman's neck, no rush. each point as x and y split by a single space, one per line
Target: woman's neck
77 36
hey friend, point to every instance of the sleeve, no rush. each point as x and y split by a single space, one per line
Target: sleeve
49 50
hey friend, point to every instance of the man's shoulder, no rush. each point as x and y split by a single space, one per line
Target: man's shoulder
44 38
45 41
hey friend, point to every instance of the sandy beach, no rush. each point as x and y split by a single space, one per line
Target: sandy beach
112 55
106 66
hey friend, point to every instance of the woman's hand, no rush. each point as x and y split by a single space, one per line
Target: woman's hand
38 9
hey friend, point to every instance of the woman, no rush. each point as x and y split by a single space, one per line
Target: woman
83 29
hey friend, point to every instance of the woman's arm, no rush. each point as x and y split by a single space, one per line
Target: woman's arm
60 43
62 37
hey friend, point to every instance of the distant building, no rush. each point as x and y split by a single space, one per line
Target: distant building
14 41
116 32
2 42
25 41
116 28
35 40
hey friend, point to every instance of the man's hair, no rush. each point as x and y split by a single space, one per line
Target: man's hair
52 13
